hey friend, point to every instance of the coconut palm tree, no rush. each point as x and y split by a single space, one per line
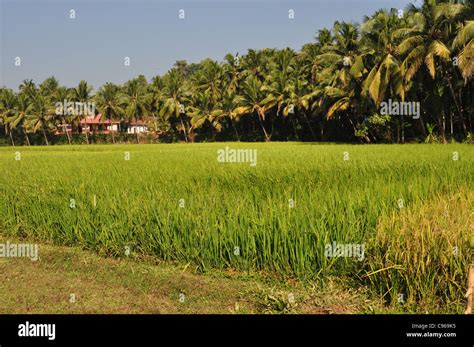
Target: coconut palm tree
58 96
463 46
459 34
40 116
231 72
208 79
276 87
257 63
386 72
298 100
49 86
340 75
83 94
108 103
173 99
20 115
8 102
28 87
228 109
202 112
135 102
251 102
344 56
155 89
424 44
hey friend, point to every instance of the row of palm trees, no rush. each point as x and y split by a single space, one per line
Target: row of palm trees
330 90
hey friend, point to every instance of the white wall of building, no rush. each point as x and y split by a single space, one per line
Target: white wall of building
134 129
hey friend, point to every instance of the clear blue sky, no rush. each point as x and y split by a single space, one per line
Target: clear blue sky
93 46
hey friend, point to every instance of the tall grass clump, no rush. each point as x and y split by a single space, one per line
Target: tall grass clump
421 255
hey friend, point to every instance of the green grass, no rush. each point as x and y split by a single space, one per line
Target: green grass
235 205
107 285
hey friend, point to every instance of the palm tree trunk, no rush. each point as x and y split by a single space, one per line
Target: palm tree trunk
443 128
461 118
87 137
67 133
235 129
309 126
294 128
213 133
260 118
422 125
403 130
27 139
11 137
352 124
184 129
45 138
451 124
273 126
398 131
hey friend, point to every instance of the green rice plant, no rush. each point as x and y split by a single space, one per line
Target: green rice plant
423 253
139 205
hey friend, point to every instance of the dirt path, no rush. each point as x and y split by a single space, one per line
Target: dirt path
69 280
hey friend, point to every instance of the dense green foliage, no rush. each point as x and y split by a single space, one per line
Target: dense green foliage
331 90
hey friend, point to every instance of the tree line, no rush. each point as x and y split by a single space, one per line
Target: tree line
330 90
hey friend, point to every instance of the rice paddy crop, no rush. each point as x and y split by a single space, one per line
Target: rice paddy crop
179 203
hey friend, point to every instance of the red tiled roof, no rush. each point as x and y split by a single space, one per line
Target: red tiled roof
92 120
96 120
